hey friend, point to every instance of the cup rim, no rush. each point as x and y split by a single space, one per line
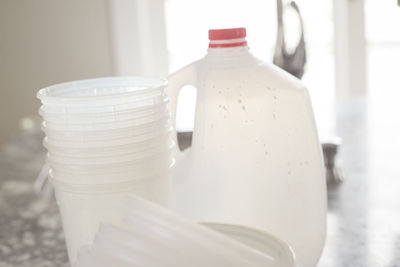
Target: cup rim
111 144
52 93
164 121
158 158
142 108
127 178
144 152
104 126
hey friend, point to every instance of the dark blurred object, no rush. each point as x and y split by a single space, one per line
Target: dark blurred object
333 173
184 140
291 62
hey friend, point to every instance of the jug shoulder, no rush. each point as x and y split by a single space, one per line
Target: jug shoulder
280 77
260 76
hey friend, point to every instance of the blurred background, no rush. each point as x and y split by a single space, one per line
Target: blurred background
352 46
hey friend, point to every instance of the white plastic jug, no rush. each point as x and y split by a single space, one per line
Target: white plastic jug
255 158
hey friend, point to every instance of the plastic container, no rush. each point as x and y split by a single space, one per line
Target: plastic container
119 175
131 104
104 153
84 207
105 126
150 249
151 222
165 134
155 179
254 143
151 111
99 180
111 172
158 153
158 161
161 125
88 125
141 241
100 92
121 146
92 147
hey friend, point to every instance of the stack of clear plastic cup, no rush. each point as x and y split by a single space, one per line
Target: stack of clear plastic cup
105 137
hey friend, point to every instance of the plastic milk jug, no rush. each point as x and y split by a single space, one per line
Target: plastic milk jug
255 158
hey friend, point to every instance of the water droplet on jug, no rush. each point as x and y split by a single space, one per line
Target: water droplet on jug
220 92
274 116
239 101
275 97
219 105
266 153
243 107
289 172
225 108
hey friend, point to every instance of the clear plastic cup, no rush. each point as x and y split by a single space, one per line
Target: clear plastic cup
150 162
103 117
149 138
88 125
131 104
126 174
129 155
105 126
99 184
154 147
82 213
107 150
161 125
101 91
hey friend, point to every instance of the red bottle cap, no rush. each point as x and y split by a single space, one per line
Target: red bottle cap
227 34
231 36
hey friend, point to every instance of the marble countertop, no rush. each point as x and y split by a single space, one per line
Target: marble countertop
363 211
30 226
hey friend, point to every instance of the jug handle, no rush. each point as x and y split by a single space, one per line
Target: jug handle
185 76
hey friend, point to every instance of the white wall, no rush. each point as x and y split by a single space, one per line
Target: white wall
43 42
